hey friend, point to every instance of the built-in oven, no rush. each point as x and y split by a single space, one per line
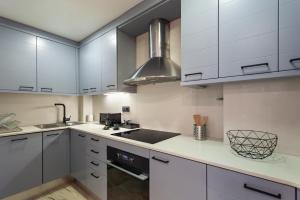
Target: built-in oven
127 175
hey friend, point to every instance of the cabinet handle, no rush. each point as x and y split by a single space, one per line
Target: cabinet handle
95 164
160 160
26 88
95 176
192 74
93 151
85 90
81 135
94 139
46 89
108 86
19 139
292 61
256 65
53 134
277 196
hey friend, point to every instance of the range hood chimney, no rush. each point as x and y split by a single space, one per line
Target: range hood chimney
160 68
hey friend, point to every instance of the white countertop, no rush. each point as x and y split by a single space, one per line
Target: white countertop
279 168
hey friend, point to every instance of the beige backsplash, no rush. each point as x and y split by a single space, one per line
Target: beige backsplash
34 109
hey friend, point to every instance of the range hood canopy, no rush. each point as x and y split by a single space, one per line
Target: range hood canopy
160 68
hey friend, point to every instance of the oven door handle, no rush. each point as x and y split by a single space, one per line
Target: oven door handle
141 177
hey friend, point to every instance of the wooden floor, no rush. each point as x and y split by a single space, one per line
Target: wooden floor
67 192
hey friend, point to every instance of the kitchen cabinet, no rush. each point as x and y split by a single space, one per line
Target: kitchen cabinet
176 178
298 194
248 37
199 39
56 67
289 31
96 148
90 60
243 187
17 60
56 155
21 163
97 181
109 61
78 156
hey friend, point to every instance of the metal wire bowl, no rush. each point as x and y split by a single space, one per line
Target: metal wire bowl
252 144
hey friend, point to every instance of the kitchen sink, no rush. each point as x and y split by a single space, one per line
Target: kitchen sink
57 125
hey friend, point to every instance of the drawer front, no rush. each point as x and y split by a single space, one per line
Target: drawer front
96 152
97 184
227 185
98 166
96 141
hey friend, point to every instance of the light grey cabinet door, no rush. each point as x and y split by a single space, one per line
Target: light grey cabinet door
298 194
109 61
17 60
227 185
56 155
173 178
56 67
21 163
289 31
90 67
248 37
199 39
79 157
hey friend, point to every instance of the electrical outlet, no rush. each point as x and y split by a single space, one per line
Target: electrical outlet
125 109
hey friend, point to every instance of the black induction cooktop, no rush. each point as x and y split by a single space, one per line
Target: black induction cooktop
146 135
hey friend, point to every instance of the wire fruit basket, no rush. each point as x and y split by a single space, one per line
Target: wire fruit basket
252 144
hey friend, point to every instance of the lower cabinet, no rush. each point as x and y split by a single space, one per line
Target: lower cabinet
21 163
173 178
78 156
96 179
87 162
56 154
227 185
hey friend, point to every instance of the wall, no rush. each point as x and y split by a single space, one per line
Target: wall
34 109
266 105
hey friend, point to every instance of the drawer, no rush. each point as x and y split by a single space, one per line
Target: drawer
96 152
227 185
97 184
98 166
95 141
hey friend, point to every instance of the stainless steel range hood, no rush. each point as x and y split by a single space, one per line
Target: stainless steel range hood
160 68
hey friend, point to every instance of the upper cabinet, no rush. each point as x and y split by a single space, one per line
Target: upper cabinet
56 67
106 62
90 67
199 39
17 60
109 61
289 31
248 37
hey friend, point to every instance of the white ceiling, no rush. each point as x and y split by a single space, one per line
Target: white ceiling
73 19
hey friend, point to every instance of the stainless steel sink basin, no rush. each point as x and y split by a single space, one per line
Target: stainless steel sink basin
45 126
57 125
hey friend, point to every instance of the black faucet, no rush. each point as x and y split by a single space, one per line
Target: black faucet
65 119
